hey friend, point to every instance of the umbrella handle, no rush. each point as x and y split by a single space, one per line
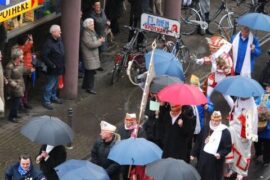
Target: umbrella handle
154 44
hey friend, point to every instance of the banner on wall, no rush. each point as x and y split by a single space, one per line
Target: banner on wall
17 9
160 25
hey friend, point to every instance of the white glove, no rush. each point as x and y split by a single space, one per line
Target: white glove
199 61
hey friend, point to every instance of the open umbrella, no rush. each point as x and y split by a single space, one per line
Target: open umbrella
182 94
171 169
135 151
256 21
239 86
80 170
165 63
48 130
159 82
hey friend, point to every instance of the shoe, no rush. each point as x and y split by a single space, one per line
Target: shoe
265 164
100 69
48 106
91 91
57 101
27 106
18 117
13 120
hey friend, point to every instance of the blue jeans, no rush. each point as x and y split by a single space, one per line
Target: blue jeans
50 89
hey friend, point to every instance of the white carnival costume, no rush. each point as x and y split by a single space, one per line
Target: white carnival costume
243 127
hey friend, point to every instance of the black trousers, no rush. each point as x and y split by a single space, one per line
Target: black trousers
262 147
15 103
89 79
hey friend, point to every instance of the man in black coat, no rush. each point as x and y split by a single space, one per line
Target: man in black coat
179 125
114 10
23 169
211 147
101 149
49 157
52 55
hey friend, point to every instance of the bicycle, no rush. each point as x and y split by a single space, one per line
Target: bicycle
132 51
179 50
253 6
192 18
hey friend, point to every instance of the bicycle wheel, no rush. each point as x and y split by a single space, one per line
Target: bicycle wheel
227 25
184 57
188 15
119 65
135 68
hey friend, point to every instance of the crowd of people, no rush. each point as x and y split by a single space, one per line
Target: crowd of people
222 148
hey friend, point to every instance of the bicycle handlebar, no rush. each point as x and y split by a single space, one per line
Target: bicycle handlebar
133 28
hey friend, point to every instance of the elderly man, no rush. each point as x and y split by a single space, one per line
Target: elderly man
53 56
245 49
179 125
211 147
102 147
23 170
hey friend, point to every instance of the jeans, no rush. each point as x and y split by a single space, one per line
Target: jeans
50 89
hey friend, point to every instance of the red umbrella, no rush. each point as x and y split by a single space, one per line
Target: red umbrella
182 94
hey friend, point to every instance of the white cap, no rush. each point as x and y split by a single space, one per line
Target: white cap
131 116
105 126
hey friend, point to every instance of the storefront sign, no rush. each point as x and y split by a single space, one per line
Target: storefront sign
160 25
17 9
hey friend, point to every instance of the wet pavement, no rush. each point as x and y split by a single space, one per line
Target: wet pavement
110 104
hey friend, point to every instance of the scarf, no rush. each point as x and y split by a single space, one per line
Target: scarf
22 171
211 146
246 68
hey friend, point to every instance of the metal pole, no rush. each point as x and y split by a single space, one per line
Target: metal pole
69 122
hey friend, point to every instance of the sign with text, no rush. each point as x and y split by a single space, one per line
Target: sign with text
17 9
160 25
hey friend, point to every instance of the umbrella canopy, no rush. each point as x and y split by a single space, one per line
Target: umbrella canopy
48 130
182 94
172 169
256 21
135 151
165 63
159 82
80 170
239 86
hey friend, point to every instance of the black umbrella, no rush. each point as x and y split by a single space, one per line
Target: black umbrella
48 130
172 169
159 82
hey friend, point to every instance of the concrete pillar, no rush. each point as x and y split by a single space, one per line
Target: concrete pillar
70 25
172 9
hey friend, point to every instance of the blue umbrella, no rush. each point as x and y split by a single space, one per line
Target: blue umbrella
135 151
240 86
256 21
165 63
80 170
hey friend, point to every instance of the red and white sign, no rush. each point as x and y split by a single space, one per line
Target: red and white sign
160 25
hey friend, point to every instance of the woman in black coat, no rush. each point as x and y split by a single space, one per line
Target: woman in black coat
49 158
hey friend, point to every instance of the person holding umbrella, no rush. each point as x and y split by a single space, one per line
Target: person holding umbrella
211 147
179 126
49 157
243 126
102 147
245 48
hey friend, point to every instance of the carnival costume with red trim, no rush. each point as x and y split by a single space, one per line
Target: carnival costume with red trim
243 128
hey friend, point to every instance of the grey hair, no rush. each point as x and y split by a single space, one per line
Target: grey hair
16 52
87 22
54 27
